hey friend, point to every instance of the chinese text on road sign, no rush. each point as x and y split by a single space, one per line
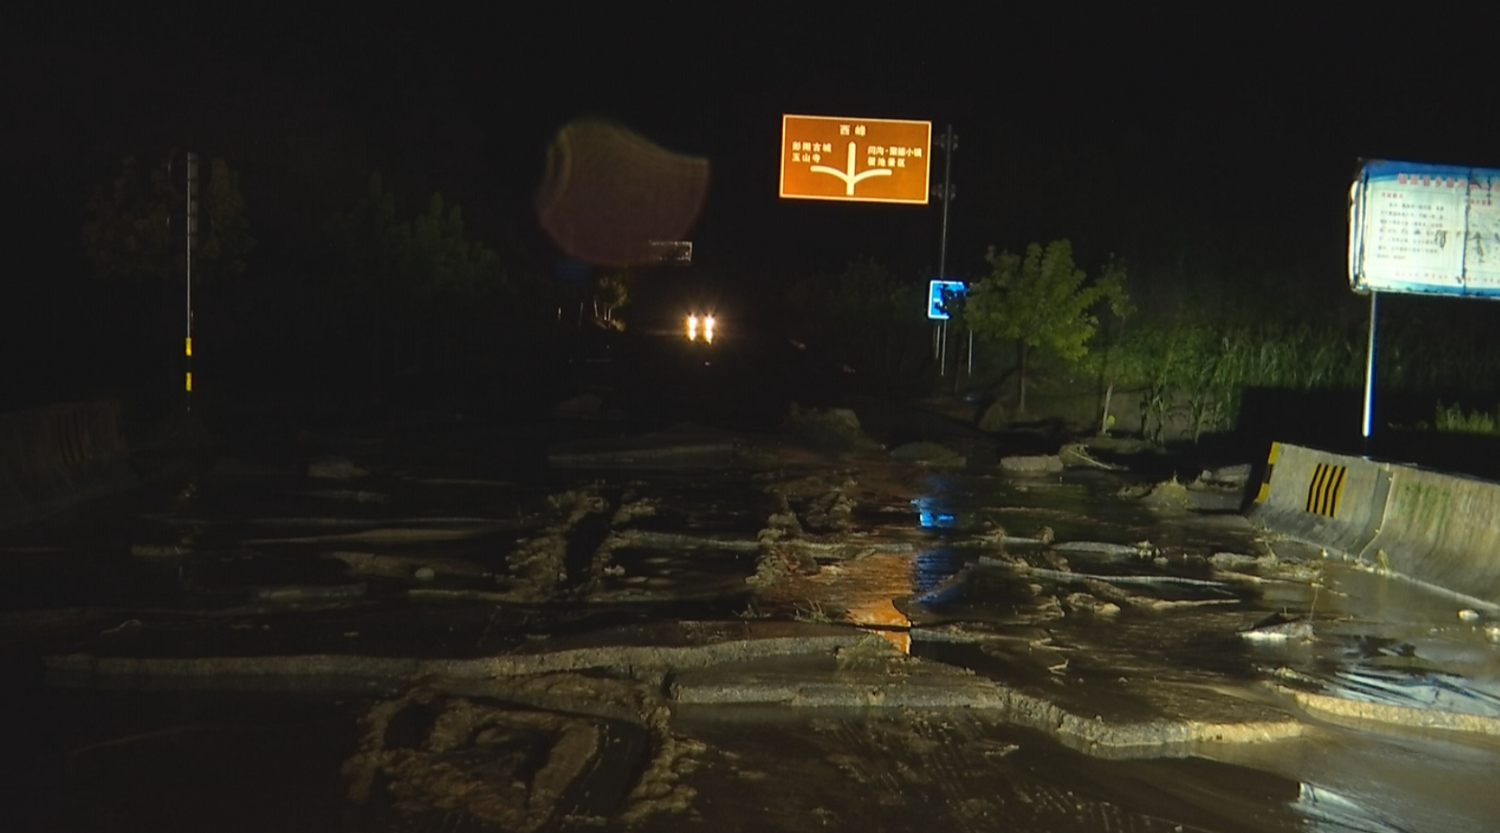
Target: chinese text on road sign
855 160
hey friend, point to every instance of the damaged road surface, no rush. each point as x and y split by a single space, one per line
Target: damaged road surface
437 628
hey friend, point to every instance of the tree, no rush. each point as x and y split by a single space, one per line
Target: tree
405 286
612 291
445 263
411 261
133 229
1042 300
226 241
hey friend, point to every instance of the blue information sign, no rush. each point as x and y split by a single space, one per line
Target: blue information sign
935 297
1421 228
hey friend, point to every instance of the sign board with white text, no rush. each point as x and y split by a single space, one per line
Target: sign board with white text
855 160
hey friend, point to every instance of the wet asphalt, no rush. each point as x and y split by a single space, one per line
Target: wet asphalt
256 618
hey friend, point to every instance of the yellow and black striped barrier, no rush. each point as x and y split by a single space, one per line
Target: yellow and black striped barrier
1332 500
1265 480
1326 488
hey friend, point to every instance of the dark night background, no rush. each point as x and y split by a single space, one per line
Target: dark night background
1212 149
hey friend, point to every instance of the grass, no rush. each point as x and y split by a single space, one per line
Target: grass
1454 419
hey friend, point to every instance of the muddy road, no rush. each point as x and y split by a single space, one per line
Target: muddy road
447 624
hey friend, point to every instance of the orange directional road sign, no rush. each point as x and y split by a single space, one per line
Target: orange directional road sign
855 160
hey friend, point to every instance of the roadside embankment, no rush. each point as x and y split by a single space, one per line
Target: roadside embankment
54 455
1428 526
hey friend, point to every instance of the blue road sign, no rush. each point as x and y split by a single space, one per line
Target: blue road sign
935 299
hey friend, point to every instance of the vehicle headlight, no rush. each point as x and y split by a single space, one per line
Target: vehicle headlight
700 327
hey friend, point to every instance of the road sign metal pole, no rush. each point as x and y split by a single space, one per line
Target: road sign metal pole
1370 365
191 225
947 144
943 350
947 147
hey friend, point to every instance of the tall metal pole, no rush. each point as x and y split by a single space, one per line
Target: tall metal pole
943 349
947 197
1370 366
947 144
192 228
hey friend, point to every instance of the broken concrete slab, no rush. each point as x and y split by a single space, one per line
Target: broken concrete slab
1346 710
929 454
1032 464
681 446
804 666
1228 477
291 594
1167 495
395 535
668 646
355 495
583 406
875 674
407 567
159 550
332 467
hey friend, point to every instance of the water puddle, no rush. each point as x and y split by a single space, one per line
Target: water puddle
1057 587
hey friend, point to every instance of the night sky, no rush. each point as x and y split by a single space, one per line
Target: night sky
1150 132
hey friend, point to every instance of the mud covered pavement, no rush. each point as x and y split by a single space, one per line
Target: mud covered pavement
453 626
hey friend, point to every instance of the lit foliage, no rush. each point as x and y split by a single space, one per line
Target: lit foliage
1043 301
612 290
1454 419
133 227
1193 372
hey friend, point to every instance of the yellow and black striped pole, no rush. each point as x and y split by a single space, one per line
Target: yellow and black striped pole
192 229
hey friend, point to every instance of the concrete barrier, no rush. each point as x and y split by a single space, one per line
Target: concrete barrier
1442 529
1330 500
57 454
1432 527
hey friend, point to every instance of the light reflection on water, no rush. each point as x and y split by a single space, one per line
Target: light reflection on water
953 504
1328 812
1343 779
930 515
867 589
1357 784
